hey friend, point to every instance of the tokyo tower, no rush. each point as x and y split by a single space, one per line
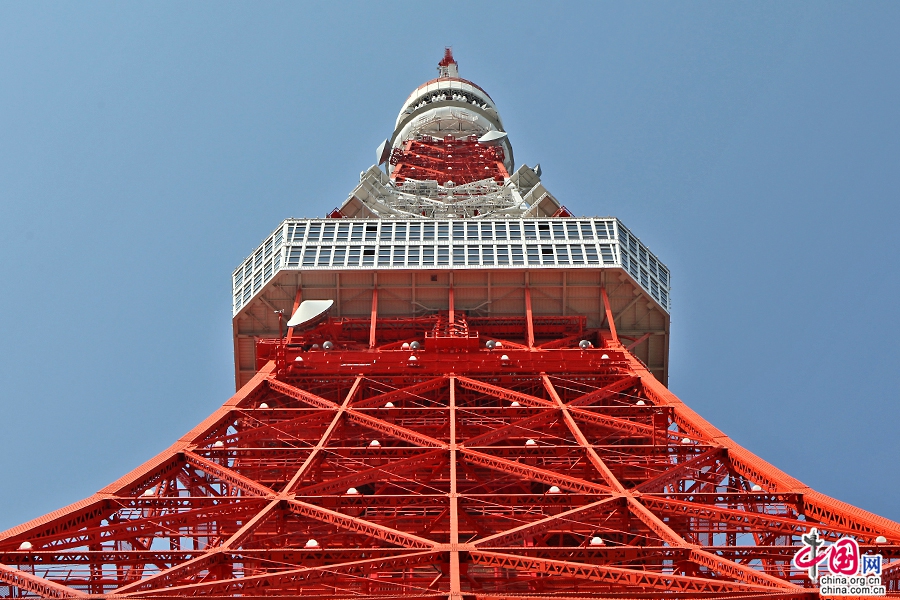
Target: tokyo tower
452 387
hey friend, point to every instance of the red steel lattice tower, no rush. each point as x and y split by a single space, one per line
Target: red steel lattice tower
450 388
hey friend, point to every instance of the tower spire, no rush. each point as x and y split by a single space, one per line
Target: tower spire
448 66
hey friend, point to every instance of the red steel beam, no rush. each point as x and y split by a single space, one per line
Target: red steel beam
503 538
630 578
528 472
355 524
609 315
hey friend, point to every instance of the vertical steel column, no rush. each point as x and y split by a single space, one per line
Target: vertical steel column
451 303
455 585
529 320
374 310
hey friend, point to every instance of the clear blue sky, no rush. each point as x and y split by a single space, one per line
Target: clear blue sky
145 149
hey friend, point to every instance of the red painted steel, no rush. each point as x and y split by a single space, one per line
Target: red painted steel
412 460
458 161
557 472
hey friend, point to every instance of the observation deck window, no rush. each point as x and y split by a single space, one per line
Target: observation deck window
340 253
400 232
530 231
459 231
315 230
572 230
558 232
356 234
399 256
295 234
324 256
371 232
294 257
368 256
459 255
384 256
544 230
534 255
501 231
604 230
473 254
415 232
591 252
502 255
414 255
487 254
443 255
387 231
443 232
487 232
353 259
586 231
343 232
472 231
429 231
562 255
428 255
607 253
515 231
517 256
309 257
547 255
328 233
577 254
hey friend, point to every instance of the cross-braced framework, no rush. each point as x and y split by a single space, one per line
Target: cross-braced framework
550 465
441 177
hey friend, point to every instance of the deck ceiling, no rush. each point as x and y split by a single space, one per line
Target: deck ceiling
640 321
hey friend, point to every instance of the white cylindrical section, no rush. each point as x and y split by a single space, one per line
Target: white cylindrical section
441 121
447 90
450 107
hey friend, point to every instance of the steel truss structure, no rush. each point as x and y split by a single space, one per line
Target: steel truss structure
484 430
539 468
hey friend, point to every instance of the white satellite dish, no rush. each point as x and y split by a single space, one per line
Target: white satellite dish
310 312
383 152
492 138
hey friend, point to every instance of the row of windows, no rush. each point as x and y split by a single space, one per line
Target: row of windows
245 287
255 261
650 283
266 260
639 254
446 230
470 255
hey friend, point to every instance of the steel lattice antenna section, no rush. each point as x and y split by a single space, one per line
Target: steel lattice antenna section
493 426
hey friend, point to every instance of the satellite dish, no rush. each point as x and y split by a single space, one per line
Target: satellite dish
492 138
310 312
383 152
